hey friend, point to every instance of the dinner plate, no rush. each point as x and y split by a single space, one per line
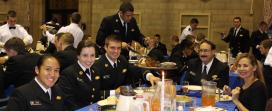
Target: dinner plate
209 108
194 87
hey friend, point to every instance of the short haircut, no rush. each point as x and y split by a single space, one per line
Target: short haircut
114 38
213 46
194 20
58 35
75 17
239 18
262 23
11 13
267 43
126 6
16 44
158 35
67 38
84 43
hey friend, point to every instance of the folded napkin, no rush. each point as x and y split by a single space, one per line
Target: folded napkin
268 60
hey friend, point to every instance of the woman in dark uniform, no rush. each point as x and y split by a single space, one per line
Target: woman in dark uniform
41 94
80 82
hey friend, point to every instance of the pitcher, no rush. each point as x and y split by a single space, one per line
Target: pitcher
208 93
139 104
126 97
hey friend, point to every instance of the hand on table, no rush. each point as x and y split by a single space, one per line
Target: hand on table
153 80
235 93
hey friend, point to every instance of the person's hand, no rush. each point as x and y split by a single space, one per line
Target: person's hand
226 90
223 35
235 93
233 68
125 45
153 79
117 91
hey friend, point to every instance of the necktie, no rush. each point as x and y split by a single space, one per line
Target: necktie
47 95
115 66
125 27
12 27
204 71
234 33
87 71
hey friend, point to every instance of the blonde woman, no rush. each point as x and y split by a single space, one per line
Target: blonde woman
251 96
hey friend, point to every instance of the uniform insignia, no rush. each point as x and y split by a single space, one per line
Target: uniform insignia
116 20
214 77
132 30
241 35
192 73
34 103
58 98
106 77
80 80
80 72
97 77
106 65
124 70
116 31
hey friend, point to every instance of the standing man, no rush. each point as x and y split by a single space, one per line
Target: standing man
11 29
207 67
122 24
73 28
257 37
189 30
238 38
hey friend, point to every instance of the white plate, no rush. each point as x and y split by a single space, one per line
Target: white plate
133 61
209 108
194 87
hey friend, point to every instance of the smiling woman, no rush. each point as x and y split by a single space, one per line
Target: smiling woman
41 93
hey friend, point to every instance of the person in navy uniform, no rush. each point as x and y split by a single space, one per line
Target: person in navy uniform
122 24
207 67
80 82
257 37
41 94
115 70
238 38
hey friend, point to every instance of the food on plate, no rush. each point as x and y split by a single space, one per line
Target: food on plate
111 100
148 62
181 98
168 64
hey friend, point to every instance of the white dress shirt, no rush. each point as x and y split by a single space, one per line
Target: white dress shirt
187 31
19 31
43 88
73 28
208 66
84 69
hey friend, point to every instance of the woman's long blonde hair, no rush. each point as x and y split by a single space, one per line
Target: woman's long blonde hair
254 62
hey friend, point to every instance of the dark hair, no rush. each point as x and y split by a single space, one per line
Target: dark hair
254 62
194 20
126 6
43 58
186 44
267 43
16 44
75 17
239 18
213 46
112 38
11 13
84 43
262 23
158 35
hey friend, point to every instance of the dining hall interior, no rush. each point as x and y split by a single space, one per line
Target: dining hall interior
82 55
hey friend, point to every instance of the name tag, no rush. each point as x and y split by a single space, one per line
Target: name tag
35 103
106 76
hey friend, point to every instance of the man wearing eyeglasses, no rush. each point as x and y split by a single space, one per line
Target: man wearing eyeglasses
207 67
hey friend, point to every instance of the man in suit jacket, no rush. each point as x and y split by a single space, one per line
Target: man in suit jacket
115 70
66 53
122 24
40 94
257 37
160 45
207 67
238 38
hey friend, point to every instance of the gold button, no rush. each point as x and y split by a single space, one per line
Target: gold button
93 89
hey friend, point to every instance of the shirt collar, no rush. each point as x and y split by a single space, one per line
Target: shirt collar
81 66
208 65
237 29
111 62
122 21
43 88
